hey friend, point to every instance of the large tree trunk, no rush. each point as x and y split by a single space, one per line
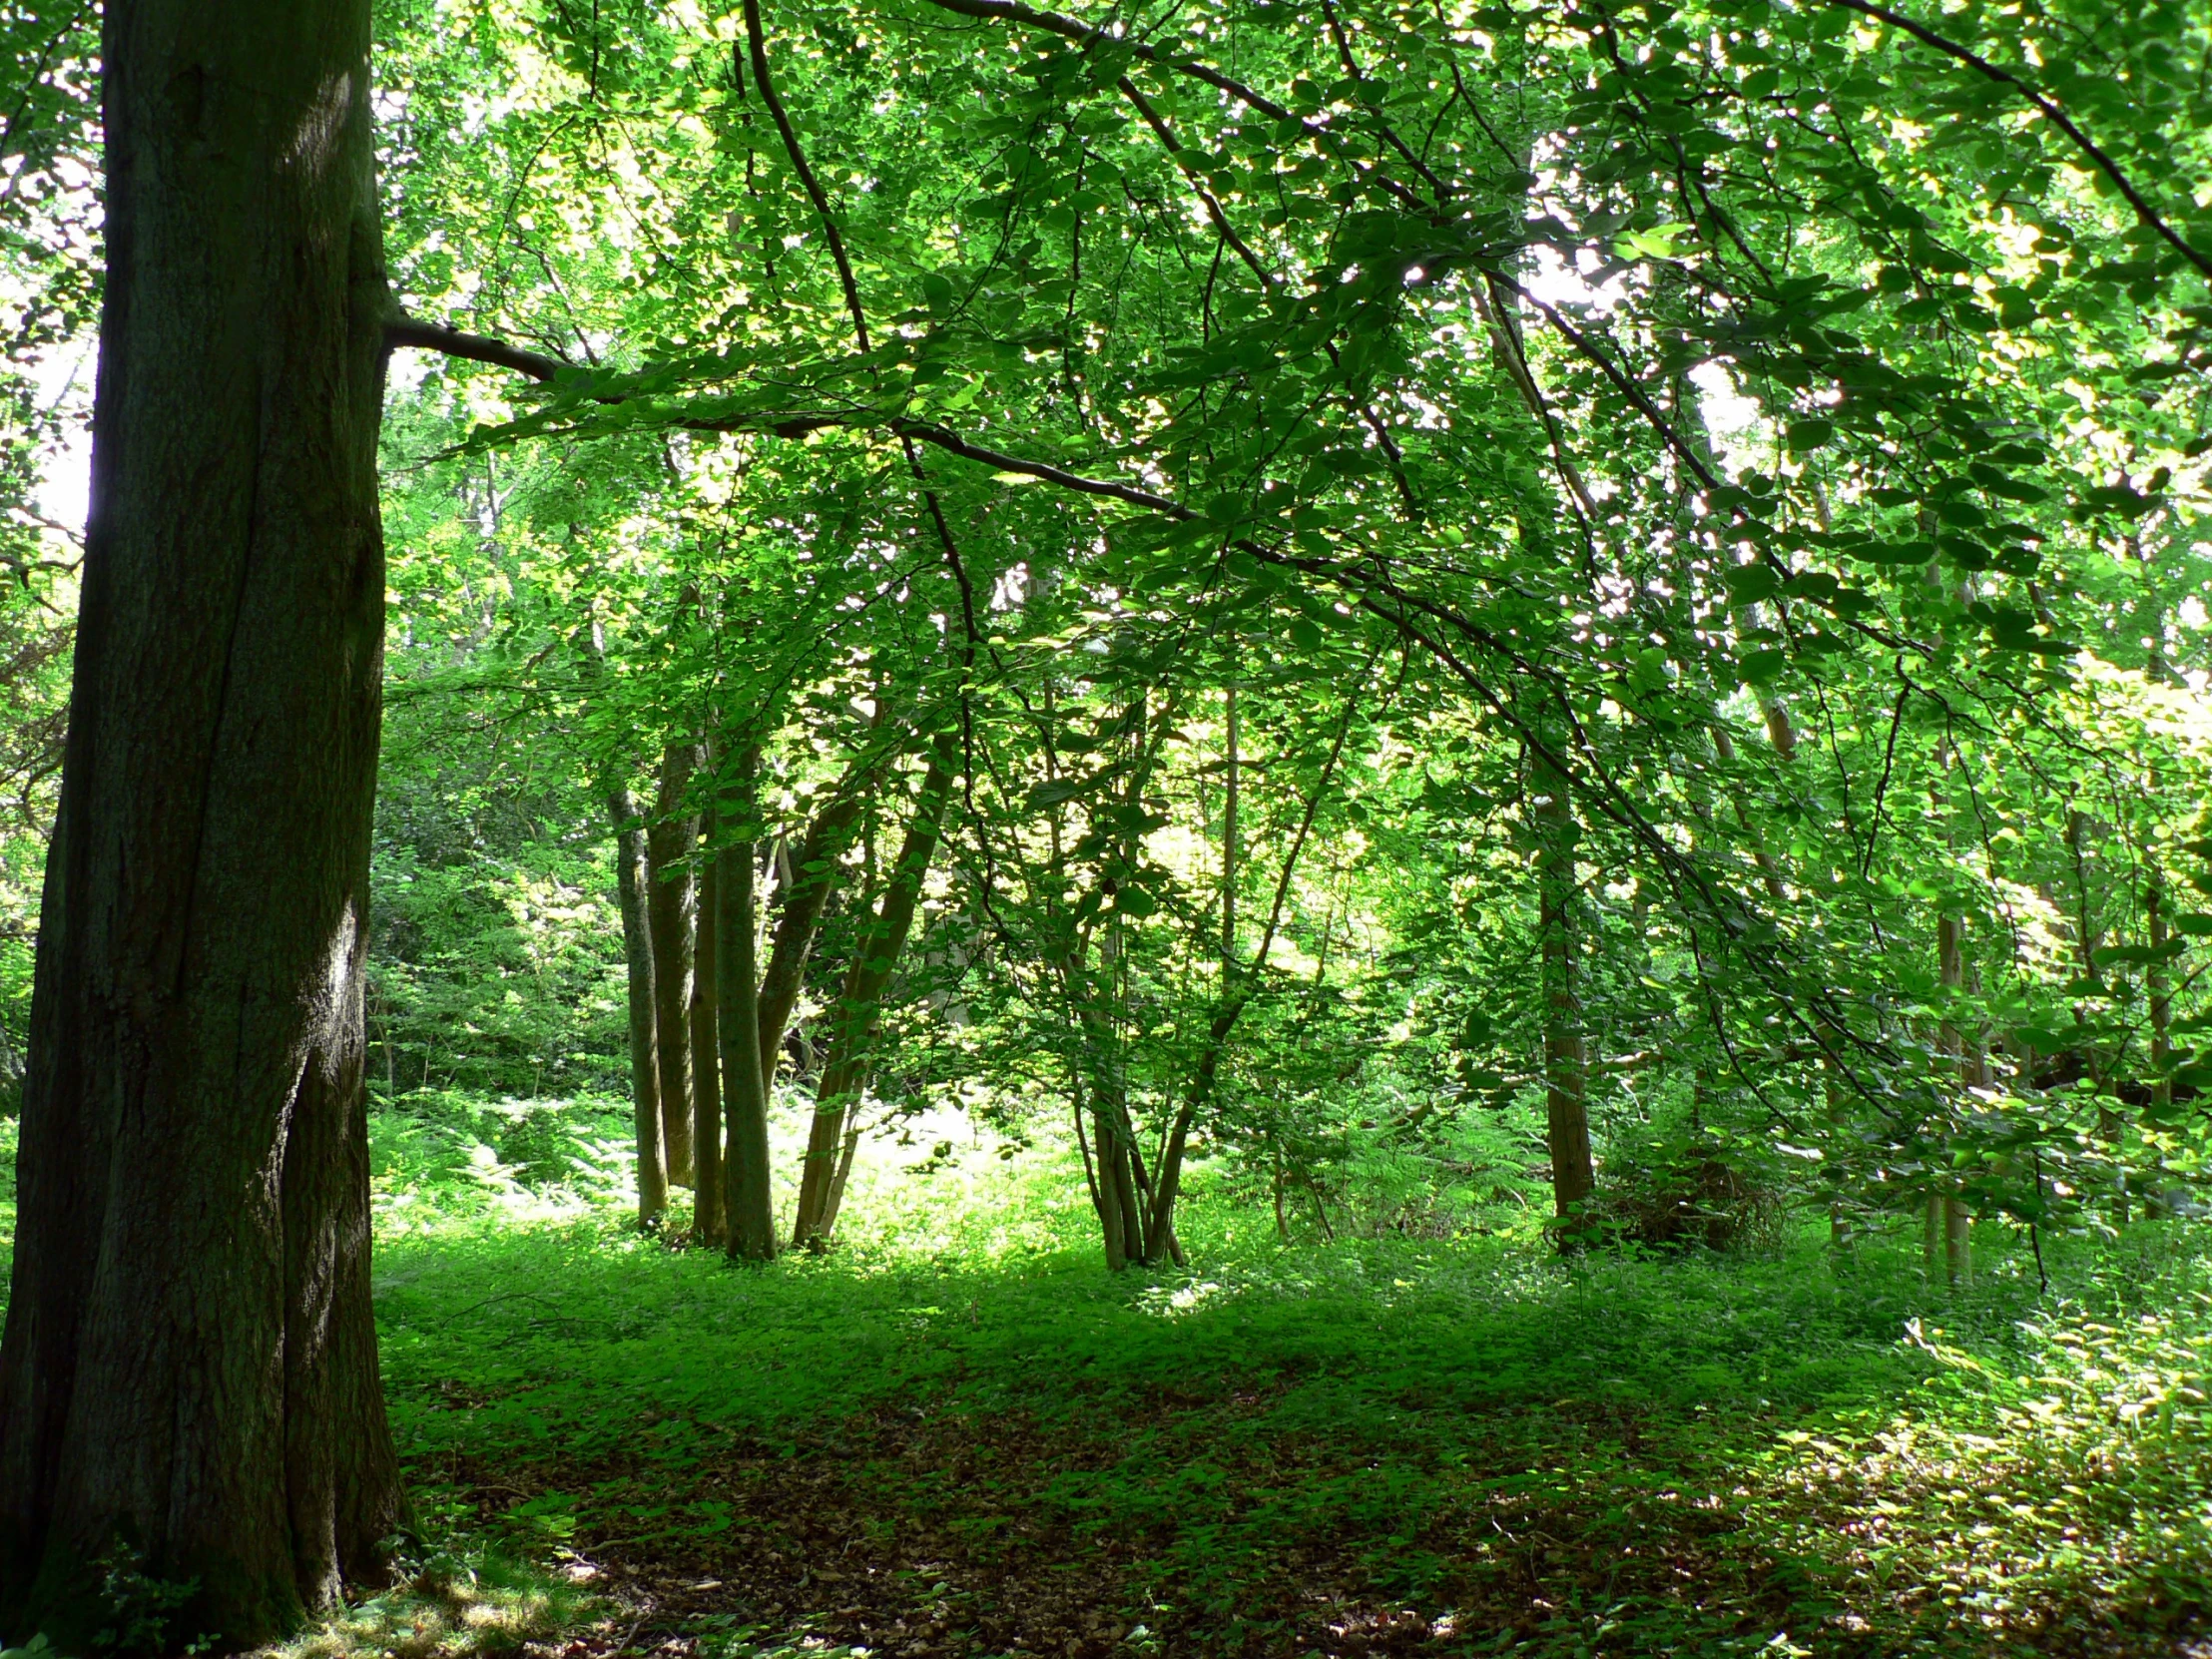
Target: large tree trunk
631 879
190 1361
673 904
859 1008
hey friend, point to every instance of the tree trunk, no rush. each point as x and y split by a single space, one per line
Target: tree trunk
672 902
189 1359
2087 938
846 1155
1113 1206
1565 1069
1231 765
859 1008
707 1156
749 1198
1951 969
2159 991
798 917
1948 1217
632 877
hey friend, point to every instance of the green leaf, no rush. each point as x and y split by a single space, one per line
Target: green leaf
1757 668
1748 584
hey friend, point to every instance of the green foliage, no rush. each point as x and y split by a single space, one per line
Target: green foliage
1701 512
139 1613
1458 1432
457 1600
496 974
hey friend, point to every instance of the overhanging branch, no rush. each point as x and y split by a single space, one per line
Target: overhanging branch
2047 107
435 337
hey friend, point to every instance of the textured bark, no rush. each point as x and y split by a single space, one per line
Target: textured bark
706 1160
190 1361
631 878
859 1008
672 903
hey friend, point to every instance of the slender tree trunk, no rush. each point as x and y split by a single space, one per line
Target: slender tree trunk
673 899
2157 987
815 876
833 1106
846 1155
632 877
708 1219
2159 992
190 1361
747 1195
1573 1178
1231 766
860 1009
1948 1217
1113 1202
1950 963
2087 938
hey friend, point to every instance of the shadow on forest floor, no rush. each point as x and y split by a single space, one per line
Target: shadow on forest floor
961 1437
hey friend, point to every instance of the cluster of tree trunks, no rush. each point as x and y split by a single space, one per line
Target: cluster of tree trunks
708 1020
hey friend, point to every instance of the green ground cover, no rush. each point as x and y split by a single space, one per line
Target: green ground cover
957 1434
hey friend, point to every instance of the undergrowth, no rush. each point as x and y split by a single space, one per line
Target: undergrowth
956 1433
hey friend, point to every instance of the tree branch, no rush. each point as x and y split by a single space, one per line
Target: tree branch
435 337
1068 28
756 40
2044 104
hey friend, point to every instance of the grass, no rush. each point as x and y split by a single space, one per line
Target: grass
957 1434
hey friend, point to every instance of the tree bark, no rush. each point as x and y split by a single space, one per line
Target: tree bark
748 1196
859 1007
190 1358
673 902
632 877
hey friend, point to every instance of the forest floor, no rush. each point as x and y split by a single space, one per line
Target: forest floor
957 1434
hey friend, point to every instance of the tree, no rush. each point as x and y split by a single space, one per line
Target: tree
189 1374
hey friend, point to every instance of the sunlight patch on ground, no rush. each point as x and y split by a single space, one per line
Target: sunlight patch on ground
452 1608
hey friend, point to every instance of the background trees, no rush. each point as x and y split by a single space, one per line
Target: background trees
1653 474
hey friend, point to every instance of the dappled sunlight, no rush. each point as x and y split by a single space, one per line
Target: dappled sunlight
1384 1442
471 1606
